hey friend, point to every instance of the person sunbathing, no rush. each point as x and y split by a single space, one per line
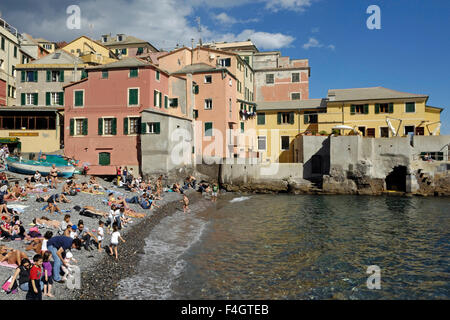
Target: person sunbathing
29 186
11 256
6 194
93 182
47 222
18 191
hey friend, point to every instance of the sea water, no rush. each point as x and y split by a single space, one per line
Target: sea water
298 247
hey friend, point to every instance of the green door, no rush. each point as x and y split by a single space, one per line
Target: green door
104 158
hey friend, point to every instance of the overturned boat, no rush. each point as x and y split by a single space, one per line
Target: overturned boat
30 167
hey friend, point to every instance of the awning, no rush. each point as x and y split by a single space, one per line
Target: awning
9 140
343 127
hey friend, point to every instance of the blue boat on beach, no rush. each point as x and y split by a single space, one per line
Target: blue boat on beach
29 167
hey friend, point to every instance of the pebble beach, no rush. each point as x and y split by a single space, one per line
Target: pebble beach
100 272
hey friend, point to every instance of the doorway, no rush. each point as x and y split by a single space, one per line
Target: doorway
396 180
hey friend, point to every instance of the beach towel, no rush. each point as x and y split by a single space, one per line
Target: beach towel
95 192
18 207
6 264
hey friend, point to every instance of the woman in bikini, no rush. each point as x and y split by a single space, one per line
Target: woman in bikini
11 256
54 176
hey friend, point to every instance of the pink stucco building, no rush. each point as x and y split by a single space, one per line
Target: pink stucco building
103 113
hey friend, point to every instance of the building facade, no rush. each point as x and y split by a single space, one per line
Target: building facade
127 46
103 114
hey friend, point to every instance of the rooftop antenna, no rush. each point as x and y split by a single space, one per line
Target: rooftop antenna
199 29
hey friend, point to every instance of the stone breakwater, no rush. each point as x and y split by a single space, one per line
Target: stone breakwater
100 282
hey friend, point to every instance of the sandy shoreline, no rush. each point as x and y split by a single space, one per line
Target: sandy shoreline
99 272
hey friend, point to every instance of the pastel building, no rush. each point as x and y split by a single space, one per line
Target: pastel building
103 114
126 45
90 51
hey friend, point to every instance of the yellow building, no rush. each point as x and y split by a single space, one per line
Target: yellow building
278 123
371 112
90 51
380 112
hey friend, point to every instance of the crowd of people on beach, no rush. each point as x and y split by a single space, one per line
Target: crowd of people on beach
53 260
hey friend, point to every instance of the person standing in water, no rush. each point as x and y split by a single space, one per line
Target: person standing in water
185 202
215 192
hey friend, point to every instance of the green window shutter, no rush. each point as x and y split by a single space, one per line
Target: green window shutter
242 127
352 109
279 118
114 126
166 102
23 76
22 98
100 126
35 99
160 100
366 109
133 96
261 118
391 108
85 127
291 117
306 118
47 98
125 126
157 127
155 93
377 108
133 73
49 76
79 98
35 76
143 127
72 126
195 114
61 98
61 76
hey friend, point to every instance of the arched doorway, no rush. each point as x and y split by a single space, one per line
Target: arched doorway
396 180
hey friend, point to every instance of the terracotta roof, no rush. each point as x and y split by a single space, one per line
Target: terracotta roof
372 93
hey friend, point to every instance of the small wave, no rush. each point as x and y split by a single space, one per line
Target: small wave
239 199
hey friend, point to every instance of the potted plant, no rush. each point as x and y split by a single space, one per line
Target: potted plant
323 133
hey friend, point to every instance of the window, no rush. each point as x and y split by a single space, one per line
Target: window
420 131
409 130
105 74
239 86
269 78
133 72
208 104
296 77
133 97
3 44
309 117
79 98
119 38
134 125
29 76
208 79
384 132
262 143
194 88
261 118
173 102
11 91
105 39
247 59
158 75
84 74
359 109
56 98
124 51
154 127
13 71
107 126
384 108
15 52
140 51
224 62
285 118
295 96
410 107
284 142
208 129
242 127
371 132
31 98
80 127
157 98
195 114
55 76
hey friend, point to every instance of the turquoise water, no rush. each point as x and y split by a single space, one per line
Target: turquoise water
299 247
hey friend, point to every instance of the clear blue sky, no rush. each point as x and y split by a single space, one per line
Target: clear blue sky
410 53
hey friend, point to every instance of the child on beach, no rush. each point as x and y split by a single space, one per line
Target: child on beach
214 193
34 287
67 266
101 235
47 278
185 202
115 241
